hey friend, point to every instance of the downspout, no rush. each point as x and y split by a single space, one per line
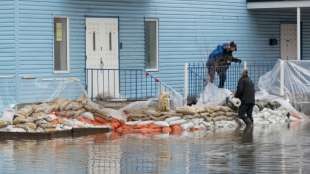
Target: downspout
298 33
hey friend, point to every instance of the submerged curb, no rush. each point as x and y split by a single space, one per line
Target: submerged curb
74 132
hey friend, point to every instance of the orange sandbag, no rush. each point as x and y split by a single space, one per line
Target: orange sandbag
176 129
101 120
115 124
153 126
166 130
193 129
85 120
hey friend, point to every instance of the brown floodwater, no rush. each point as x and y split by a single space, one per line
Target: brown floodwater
282 149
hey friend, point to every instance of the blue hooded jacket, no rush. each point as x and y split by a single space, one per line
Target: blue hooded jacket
218 54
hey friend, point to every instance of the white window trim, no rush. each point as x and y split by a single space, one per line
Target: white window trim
68 46
157 44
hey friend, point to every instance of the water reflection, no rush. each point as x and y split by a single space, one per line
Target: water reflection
253 150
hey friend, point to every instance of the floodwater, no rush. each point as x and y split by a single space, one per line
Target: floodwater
282 149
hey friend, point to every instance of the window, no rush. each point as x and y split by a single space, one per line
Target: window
151 44
61 52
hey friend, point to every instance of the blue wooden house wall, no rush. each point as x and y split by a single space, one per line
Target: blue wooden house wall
188 31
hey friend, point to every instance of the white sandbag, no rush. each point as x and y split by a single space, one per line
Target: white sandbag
143 123
88 115
187 125
172 119
117 114
132 123
161 123
181 121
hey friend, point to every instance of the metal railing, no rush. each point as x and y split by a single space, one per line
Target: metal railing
121 84
198 75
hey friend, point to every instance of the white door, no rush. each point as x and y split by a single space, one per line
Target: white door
102 57
289 41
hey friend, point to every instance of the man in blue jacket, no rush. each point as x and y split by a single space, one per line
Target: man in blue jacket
219 61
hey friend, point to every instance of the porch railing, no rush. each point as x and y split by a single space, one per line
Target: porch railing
197 75
122 84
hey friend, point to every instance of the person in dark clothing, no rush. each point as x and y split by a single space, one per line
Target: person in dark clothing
246 93
219 61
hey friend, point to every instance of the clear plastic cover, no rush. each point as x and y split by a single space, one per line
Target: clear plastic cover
288 79
47 89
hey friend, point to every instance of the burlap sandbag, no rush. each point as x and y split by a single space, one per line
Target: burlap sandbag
231 114
25 111
186 110
223 118
79 112
19 120
219 113
44 107
67 114
73 106
97 110
28 127
38 115
152 113
83 100
3 124
61 103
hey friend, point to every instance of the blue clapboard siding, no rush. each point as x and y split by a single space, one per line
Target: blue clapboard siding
7 53
189 30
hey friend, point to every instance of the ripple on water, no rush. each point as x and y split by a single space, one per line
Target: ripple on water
267 150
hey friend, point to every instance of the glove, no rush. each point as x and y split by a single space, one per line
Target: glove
236 60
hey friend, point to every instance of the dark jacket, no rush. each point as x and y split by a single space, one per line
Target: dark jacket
246 91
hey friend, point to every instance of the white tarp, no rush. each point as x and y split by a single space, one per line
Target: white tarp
288 79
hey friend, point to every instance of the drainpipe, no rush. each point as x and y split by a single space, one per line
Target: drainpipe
298 33
281 78
186 82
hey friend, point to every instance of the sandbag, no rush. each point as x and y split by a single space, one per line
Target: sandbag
74 106
44 107
164 102
19 120
161 123
61 103
3 123
186 110
25 111
172 119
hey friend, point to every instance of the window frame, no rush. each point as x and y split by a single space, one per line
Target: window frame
157 44
68 46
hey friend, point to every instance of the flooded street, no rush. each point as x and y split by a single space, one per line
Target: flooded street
261 150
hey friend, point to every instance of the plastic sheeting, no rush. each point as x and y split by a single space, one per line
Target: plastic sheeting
212 95
288 79
47 89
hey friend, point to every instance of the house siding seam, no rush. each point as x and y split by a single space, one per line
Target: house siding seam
188 31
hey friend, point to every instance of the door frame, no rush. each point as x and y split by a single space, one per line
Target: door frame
301 34
85 54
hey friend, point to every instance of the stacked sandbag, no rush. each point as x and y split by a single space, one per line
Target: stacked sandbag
59 114
208 113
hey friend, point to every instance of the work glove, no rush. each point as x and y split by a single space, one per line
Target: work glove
236 60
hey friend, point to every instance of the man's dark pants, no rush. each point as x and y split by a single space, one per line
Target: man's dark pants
245 112
221 71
